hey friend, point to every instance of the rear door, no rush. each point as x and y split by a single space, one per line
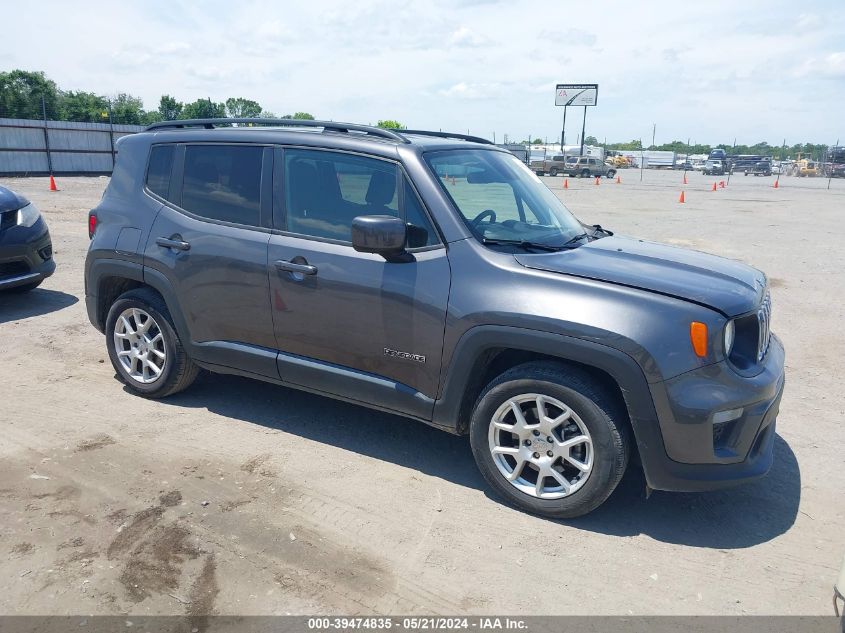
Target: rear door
209 242
349 323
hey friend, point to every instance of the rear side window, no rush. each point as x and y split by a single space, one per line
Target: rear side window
158 171
223 182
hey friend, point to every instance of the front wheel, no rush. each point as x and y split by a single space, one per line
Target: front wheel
553 171
585 173
549 439
611 173
144 347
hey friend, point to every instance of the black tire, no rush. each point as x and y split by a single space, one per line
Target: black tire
611 173
540 172
553 171
585 173
601 413
25 287
178 371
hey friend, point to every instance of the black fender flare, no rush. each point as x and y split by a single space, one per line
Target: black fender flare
98 269
161 284
620 366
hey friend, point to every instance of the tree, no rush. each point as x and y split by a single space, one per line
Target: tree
390 124
127 109
591 140
169 109
203 109
84 106
304 116
21 92
240 108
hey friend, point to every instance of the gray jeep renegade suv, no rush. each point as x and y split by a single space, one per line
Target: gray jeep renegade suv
434 276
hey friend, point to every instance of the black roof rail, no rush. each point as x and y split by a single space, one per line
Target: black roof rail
328 126
463 137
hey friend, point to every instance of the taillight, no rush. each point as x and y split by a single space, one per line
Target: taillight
92 224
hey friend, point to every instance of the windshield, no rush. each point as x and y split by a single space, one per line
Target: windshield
501 199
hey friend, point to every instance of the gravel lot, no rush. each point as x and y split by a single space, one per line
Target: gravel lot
238 497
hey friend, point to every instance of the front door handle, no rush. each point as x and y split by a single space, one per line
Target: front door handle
178 245
293 267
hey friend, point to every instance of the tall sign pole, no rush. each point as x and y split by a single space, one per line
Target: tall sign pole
563 132
583 127
575 95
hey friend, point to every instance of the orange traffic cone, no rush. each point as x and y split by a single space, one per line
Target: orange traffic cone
721 184
714 186
53 186
681 199
685 177
776 184
619 180
598 180
566 183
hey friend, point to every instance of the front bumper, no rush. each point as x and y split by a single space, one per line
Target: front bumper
26 255
696 451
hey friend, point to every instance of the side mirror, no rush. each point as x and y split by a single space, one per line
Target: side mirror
381 234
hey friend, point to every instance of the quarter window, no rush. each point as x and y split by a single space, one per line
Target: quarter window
158 171
223 182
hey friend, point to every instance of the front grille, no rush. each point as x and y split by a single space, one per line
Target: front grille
764 332
8 219
13 269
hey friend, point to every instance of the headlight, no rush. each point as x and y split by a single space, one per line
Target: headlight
730 329
28 215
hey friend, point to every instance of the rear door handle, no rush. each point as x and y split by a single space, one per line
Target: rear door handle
178 245
293 267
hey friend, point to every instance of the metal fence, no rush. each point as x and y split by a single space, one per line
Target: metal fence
34 147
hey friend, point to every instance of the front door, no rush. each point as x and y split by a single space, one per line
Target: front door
209 242
349 323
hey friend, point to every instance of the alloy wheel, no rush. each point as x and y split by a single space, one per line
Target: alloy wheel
139 345
541 446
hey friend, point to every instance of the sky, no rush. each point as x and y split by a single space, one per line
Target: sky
709 71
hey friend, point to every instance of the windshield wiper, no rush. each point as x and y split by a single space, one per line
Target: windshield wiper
572 240
521 243
598 228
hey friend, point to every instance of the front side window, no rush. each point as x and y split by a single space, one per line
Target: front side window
326 191
223 182
502 200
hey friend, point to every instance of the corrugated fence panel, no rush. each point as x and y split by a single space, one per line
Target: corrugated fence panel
72 139
94 163
74 147
21 138
22 162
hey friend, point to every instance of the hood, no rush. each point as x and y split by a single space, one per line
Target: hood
722 284
10 201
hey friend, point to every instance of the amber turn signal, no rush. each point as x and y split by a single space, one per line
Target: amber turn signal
698 337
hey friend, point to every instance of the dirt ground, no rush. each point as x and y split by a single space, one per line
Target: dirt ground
238 497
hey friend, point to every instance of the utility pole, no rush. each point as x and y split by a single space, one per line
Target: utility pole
653 133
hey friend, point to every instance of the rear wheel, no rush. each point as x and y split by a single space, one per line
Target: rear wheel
553 171
144 348
549 439
585 173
